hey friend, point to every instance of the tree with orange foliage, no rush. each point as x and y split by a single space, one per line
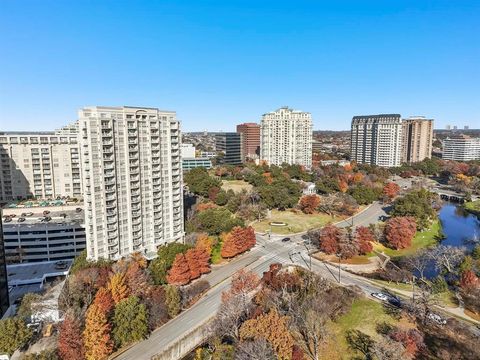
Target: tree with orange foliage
329 239
179 273
268 177
204 242
205 206
237 241
412 339
139 259
104 301
391 190
343 186
357 177
243 282
400 230
469 280
96 336
118 287
70 342
273 328
364 238
309 203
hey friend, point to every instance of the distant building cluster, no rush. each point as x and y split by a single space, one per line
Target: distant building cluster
461 148
386 140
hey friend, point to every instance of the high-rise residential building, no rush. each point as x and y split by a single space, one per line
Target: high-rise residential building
42 165
230 144
250 139
461 148
4 302
377 140
132 179
286 137
417 138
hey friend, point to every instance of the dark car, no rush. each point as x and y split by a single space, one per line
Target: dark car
46 212
286 239
78 209
7 219
21 219
394 301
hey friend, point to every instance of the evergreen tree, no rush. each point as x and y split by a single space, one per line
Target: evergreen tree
130 321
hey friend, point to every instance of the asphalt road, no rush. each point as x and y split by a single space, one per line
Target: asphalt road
267 251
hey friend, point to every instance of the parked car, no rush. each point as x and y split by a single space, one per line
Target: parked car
286 239
394 301
78 209
29 214
436 318
46 212
21 219
60 265
7 219
380 296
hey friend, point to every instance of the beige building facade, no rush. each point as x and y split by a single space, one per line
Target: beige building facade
417 139
43 165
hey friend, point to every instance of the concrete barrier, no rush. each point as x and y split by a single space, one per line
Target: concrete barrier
181 347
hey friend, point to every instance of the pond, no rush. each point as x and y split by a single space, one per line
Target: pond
461 229
459 226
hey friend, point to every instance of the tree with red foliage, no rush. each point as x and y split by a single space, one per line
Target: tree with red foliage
469 280
205 206
412 339
237 241
276 279
309 203
243 282
399 231
391 190
198 262
70 342
329 239
364 238
343 186
179 273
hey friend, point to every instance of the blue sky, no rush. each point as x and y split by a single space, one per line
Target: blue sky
219 63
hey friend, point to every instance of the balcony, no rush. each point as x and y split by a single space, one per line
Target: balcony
112 235
110 181
112 251
111 204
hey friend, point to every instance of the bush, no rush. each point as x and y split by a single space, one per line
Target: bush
190 294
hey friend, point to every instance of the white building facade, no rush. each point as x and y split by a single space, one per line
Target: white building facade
41 165
133 180
377 140
286 137
461 148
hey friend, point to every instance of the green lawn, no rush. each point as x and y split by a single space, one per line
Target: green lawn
296 222
216 258
421 240
364 316
236 185
473 207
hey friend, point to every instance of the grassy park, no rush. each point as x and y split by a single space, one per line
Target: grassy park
473 207
422 239
296 222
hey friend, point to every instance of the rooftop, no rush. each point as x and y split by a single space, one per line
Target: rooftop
35 273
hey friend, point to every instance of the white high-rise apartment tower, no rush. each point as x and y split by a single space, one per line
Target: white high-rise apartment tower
377 140
286 137
132 180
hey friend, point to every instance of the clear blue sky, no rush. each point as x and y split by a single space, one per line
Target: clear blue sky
219 63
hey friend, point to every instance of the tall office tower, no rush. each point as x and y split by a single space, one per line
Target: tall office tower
230 144
250 140
417 138
133 180
286 137
4 303
42 164
377 140
461 148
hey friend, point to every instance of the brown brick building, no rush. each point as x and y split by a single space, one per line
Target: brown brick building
251 139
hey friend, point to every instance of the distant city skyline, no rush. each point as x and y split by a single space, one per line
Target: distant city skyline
218 64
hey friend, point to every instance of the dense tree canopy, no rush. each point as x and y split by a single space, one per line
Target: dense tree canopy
216 221
130 321
200 182
166 255
418 204
14 334
399 231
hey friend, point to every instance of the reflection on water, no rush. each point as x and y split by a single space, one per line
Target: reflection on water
460 227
